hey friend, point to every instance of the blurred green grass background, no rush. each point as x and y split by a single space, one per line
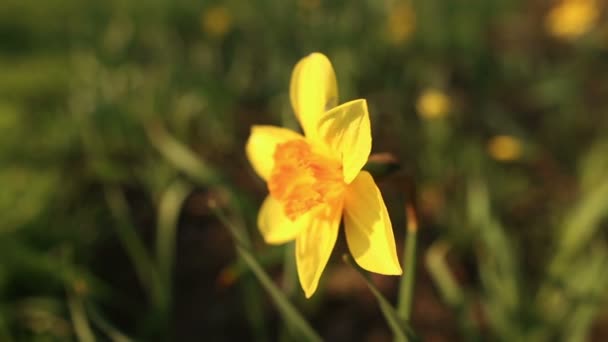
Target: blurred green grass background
120 121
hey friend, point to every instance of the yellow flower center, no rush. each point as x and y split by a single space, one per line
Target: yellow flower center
302 179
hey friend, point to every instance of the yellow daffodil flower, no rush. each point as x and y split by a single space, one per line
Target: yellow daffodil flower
316 179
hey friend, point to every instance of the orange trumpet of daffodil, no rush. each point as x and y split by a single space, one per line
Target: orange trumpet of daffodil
316 179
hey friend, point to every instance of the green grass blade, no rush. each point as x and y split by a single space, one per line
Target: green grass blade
298 325
180 156
104 326
168 215
401 330
142 262
293 318
408 279
80 321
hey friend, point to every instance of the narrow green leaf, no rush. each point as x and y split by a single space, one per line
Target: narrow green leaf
168 214
401 330
180 156
104 326
586 291
298 325
80 321
408 279
134 246
583 222
289 313
441 275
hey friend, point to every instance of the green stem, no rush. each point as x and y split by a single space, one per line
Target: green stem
402 332
289 313
406 288
292 317
408 280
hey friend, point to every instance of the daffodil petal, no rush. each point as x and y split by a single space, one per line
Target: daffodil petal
369 233
314 245
275 227
313 90
347 133
261 145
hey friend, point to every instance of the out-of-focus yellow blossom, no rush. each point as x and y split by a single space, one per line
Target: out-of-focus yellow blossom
316 179
504 148
433 103
309 4
401 22
216 21
570 19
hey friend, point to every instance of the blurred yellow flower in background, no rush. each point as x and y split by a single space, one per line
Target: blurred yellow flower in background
570 19
401 22
504 148
316 179
433 104
216 21
309 4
